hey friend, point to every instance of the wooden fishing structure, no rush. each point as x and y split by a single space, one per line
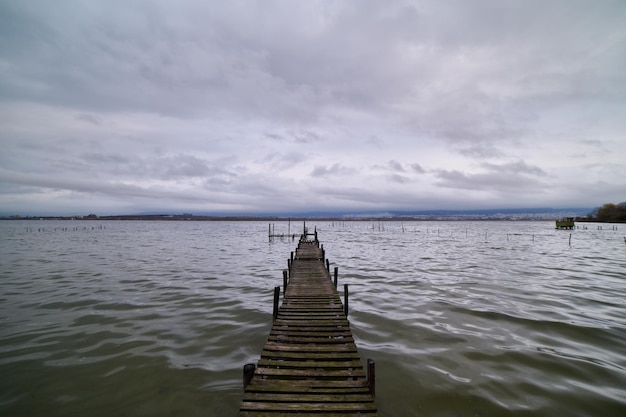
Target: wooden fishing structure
271 233
309 364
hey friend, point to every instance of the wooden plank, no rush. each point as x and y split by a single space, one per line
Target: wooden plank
340 320
295 355
301 413
285 347
318 407
309 387
325 364
311 373
334 340
313 331
307 398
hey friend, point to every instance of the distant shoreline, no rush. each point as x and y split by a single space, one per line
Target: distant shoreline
189 217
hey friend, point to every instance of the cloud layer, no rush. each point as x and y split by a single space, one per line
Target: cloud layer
276 106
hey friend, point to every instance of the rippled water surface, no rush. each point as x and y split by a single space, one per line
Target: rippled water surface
463 318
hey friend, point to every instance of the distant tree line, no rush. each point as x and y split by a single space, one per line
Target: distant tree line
610 213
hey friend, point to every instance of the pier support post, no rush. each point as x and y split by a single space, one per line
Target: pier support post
276 298
284 282
345 299
335 278
371 376
328 265
248 373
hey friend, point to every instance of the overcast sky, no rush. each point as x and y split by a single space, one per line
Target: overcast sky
117 107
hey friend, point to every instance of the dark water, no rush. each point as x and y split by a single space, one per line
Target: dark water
462 318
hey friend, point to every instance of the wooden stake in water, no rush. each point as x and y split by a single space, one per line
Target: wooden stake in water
276 298
371 376
248 373
285 282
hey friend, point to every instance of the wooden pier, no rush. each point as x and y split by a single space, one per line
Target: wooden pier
310 363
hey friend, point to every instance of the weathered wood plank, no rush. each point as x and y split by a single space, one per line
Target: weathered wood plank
311 373
318 407
285 347
310 333
334 355
250 413
319 364
303 321
301 413
307 398
295 385
310 339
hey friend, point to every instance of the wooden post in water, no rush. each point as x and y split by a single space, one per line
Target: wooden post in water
371 376
248 373
328 265
335 280
345 299
284 282
276 298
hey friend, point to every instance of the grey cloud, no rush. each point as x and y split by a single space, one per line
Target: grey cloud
274 136
515 177
299 135
334 170
395 166
89 118
280 160
180 166
105 158
304 136
518 167
418 168
486 181
481 151
76 184
391 165
401 179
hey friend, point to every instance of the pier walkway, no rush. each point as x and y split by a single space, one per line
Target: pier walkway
310 363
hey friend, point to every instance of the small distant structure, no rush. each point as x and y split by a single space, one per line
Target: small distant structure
566 223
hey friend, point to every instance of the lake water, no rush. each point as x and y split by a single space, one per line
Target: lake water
108 318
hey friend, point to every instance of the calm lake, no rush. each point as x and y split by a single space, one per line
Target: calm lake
123 318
